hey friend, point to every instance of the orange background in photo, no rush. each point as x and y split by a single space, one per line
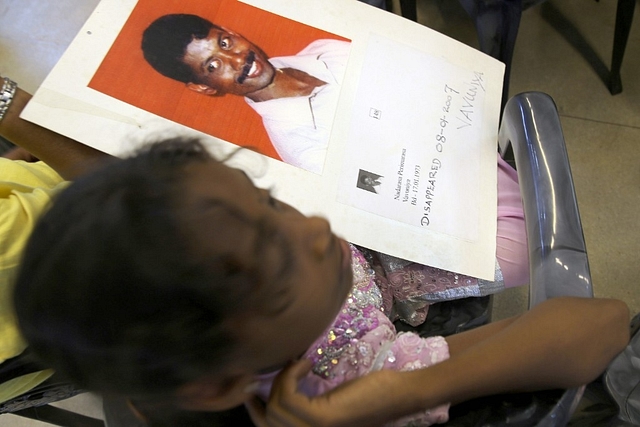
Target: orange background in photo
125 75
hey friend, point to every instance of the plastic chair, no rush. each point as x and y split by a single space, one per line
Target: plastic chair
557 257
497 23
34 404
557 251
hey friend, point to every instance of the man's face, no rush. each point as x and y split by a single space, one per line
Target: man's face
225 62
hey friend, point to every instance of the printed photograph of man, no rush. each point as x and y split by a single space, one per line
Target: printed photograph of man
296 96
231 70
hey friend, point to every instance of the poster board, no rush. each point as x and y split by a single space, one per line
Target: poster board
409 162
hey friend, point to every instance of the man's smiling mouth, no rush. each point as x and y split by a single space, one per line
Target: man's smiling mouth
249 68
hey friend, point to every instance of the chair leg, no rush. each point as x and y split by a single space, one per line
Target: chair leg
59 417
409 10
624 17
497 24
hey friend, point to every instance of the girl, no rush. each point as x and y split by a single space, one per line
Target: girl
169 276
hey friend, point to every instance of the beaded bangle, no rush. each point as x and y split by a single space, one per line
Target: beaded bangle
6 95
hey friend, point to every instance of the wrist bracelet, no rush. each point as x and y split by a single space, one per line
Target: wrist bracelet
6 95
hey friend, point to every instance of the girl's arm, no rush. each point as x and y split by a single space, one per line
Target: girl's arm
67 157
561 343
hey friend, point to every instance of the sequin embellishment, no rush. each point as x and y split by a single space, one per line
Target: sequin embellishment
357 317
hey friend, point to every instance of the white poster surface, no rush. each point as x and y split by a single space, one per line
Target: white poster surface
407 164
409 117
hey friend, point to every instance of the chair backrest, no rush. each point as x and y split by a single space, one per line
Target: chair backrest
557 252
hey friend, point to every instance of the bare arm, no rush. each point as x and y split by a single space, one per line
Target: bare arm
563 342
67 157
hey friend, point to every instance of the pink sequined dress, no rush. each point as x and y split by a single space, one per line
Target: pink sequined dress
362 339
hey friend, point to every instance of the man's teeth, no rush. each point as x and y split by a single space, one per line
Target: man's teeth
253 69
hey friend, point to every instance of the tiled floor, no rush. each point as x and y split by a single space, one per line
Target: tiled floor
563 49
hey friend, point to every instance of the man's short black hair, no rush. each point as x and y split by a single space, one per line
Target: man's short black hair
165 40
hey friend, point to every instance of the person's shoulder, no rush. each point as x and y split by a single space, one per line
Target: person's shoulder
322 46
28 174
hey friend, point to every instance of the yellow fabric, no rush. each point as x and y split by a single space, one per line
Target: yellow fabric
17 386
25 191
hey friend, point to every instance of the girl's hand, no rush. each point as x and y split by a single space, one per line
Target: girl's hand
365 401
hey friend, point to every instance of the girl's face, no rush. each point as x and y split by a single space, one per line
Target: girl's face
307 269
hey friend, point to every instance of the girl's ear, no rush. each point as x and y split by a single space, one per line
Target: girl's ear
202 89
214 394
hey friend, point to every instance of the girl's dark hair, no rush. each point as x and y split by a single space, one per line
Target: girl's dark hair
165 40
112 291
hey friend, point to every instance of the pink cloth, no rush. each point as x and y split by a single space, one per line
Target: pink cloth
362 339
511 252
